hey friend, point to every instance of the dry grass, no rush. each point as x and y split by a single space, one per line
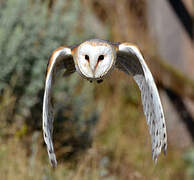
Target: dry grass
121 147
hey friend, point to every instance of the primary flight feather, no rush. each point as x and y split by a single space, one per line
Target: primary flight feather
93 60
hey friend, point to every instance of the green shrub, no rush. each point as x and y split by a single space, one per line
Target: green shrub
28 34
189 160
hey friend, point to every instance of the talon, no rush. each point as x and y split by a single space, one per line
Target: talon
99 81
90 81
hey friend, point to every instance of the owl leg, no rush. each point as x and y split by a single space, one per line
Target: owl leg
99 81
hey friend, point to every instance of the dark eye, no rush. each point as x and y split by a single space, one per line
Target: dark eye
101 57
87 57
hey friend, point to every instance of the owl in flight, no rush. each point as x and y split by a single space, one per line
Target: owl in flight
93 60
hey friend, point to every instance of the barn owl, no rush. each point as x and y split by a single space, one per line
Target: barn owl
93 60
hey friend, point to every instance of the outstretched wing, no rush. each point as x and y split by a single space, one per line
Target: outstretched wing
61 59
130 61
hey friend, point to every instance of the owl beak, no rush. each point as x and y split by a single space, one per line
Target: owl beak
93 68
93 71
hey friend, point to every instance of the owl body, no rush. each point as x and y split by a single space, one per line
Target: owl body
94 59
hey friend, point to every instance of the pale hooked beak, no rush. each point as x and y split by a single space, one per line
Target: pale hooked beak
93 68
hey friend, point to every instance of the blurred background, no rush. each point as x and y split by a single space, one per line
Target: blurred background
100 130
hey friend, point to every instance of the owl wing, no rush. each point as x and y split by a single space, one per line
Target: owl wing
130 60
60 59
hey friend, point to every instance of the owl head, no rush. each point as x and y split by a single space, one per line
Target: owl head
94 58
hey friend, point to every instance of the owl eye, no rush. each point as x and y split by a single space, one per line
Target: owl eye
101 57
87 57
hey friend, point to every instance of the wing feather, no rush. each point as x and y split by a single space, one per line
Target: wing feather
130 61
61 59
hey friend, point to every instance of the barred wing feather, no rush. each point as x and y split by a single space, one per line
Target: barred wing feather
60 59
130 61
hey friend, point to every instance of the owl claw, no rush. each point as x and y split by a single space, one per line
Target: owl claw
99 81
